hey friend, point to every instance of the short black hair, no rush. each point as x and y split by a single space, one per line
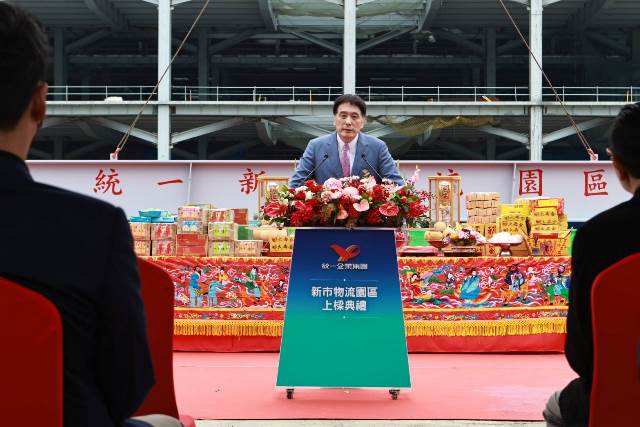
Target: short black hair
625 138
348 98
23 61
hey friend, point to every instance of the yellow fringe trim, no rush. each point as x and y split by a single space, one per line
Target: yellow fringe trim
268 328
420 328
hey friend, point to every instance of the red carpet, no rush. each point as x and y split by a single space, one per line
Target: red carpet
445 386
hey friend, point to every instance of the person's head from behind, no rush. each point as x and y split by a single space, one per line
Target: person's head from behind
349 116
23 61
624 148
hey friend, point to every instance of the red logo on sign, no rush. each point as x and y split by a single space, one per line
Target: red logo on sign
345 255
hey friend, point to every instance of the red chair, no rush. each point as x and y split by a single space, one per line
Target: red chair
615 310
30 359
158 296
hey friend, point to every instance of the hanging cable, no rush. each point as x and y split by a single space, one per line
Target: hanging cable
125 137
579 133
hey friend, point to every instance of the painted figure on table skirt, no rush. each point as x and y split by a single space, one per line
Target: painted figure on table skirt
561 286
216 286
513 281
470 289
195 292
251 284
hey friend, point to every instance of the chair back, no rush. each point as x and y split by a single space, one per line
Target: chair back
615 308
30 359
158 296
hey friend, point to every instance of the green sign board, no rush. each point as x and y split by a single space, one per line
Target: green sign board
344 325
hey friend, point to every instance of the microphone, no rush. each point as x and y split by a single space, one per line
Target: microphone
364 157
324 159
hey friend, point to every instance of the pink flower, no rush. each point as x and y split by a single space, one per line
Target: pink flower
342 214
326 196
389 209
362 206
332 184
352 193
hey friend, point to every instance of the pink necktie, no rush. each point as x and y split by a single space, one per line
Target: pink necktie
344 160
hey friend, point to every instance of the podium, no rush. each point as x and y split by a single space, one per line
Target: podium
343 324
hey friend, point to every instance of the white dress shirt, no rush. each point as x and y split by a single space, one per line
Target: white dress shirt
352 149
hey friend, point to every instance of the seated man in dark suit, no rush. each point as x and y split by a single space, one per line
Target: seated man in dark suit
570 407
74 250
347 151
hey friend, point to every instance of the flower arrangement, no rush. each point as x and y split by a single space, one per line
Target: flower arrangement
463 236
350 202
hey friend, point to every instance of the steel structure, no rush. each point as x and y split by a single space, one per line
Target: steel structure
257 77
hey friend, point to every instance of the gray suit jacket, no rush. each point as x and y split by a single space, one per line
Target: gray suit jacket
322 155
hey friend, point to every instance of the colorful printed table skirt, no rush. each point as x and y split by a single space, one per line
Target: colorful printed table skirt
450 304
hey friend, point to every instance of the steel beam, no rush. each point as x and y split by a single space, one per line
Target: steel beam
383 38
460 41
203 61
41 154
86 149
184 153
270 20
301 127
108 13
53 121
490 56
316 40
265 132
635 59
122 128
178 137
504 133
232 41
516 42
349 48
588 15
431 13
606 41
507 155
570 130
87 40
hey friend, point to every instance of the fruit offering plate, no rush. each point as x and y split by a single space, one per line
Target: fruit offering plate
418 251
462 251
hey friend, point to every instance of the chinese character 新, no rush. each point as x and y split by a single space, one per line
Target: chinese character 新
316 291
595 183
531 181
107 183
249 182
361 305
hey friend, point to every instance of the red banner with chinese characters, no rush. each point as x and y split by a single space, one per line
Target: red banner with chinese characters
473 296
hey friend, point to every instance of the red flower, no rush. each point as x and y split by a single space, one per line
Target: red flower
378 194
299 195
389 209
416 209
353 213
274 209
373 217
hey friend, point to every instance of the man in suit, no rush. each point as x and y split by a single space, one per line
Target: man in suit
570 407
74 250
347 151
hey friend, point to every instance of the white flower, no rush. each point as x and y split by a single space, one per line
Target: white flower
308 195
301 188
